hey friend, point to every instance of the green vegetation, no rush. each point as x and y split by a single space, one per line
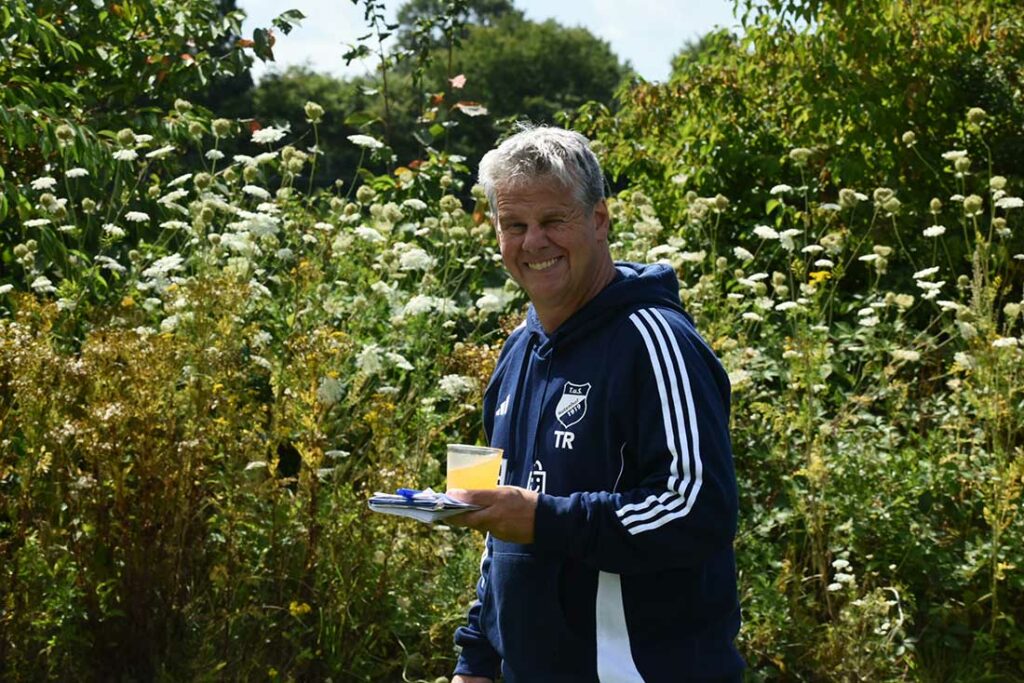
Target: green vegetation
211 352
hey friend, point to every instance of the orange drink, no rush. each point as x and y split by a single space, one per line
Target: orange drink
473 467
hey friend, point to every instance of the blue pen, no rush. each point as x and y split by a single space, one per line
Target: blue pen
408 494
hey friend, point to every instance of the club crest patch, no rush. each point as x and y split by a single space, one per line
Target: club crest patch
572 406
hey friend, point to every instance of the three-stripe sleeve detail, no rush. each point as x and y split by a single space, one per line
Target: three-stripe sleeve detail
680 421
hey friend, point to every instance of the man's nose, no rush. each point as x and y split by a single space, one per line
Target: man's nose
535 238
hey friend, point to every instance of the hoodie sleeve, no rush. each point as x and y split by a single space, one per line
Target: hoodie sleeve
477 656
683 508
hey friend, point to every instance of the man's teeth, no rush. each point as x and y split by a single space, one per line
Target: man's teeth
541 265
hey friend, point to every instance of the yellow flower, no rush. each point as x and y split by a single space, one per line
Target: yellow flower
297 609
127 302
819 276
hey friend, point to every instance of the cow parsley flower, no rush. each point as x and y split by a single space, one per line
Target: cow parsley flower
136 216
268 135
256 191
766 233
160 153
365 141
1006 343
416 259
742 254
954 154
824 263
36 222
368 362
399 361
365 232
1010 203
419 304
76 172
126 155
162 266
780 189
906 355
214 155
934 231
113 231
456 385
44 183
786 306
927 272
43 285
330 391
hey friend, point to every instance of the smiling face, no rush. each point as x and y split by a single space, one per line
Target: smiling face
556 249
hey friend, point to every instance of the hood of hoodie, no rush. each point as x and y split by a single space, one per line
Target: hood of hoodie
634 284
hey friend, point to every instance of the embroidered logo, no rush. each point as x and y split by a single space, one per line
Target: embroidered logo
572 406
538 478
503 408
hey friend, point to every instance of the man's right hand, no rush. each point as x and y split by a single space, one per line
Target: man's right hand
471 679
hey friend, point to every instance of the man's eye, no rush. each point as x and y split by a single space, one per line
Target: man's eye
514 228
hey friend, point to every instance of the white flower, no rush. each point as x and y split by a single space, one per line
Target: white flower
36 222
399 361
136 216
416 259
757 277
44 183
661 251
930 286
964 360
812 249
927 272
76 173
1010 203
367 233
833 587
113 231
490 303
368 362
752 317
954 154
948 305
415 204
824 263
174 225
268 135
742 254
179 180
43 285
786 238
5 288
143 139
830 206
1001 343
692 256
779 189
126 155
456 385
109 263
934 231
867 258
326 227
173 196
161 152
766 233
264 158
244 159
214 155
330 391
256 191
1018 257
869 321
906 355
365 141
786 306
163 266
419 304
840 564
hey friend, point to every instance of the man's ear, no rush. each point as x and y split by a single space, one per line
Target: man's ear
602 220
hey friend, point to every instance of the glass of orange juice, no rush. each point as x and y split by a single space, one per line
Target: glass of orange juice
473 467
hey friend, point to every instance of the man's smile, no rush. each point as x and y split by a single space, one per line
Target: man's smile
543 265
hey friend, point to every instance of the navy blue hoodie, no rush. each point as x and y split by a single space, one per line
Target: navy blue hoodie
620 420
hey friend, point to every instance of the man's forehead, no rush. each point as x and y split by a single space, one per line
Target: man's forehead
511 195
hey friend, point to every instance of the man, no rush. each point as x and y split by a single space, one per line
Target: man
609 556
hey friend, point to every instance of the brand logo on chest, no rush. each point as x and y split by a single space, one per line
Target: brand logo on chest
572 405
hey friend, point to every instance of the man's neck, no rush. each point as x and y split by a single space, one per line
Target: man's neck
551 319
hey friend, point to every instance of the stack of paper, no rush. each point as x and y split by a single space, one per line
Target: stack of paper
426 506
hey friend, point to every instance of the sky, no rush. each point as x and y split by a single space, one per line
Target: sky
645 32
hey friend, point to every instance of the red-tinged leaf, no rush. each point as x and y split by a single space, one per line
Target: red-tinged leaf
254 125
437 99
415 164
245 42
186 57
458 82
471 108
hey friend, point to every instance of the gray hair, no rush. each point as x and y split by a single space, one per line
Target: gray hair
536 152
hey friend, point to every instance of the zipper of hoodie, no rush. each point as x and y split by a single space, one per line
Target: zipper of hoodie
516 413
